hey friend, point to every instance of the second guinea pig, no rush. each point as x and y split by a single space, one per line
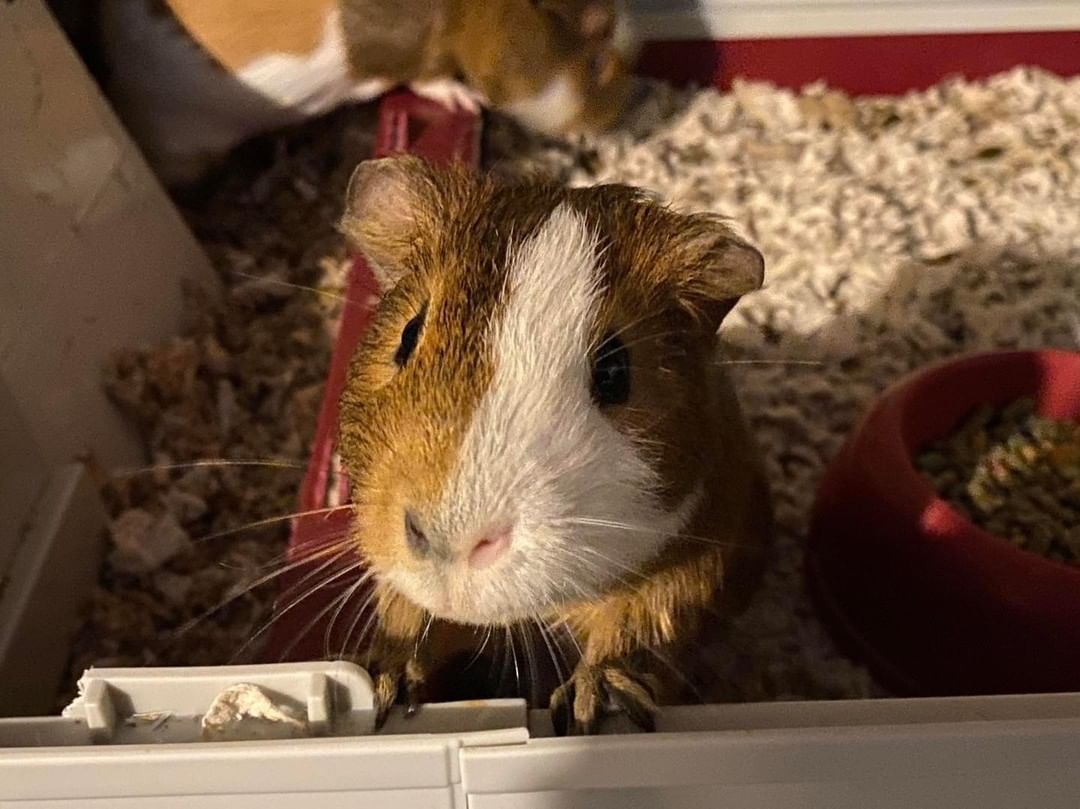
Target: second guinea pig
193 78
538 432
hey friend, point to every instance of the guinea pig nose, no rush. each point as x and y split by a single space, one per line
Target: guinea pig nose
415 538
489 549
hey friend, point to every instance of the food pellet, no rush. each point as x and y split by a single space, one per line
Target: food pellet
1015 474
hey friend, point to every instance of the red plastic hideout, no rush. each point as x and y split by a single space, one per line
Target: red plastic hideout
308 623
932 603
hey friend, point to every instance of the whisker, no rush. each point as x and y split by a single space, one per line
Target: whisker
370 624
321 614
192 623
686 681
502 662
611 560
483 645
360 582
278 614
355 622
273 520
598 484
638 341
513 651
264 279
337 539
212 463
579 592
598 565
650 440
573 639
816 363
595 344
422 637
569 578
339 551
647 427
618 526
551 650
534 670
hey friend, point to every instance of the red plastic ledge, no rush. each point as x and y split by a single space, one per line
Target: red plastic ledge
862 65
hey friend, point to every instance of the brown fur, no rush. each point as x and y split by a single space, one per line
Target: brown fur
236 32
442 236
402 40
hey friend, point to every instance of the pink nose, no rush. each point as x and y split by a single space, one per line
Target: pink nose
489 549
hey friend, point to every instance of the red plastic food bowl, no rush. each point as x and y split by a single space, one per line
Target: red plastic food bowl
931 603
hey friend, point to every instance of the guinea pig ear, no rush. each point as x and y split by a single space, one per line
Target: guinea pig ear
720 269
597 21
384 200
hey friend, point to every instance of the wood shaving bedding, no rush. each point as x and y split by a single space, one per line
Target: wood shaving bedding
896 231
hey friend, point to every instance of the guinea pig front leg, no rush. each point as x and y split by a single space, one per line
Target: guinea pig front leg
632 646
395 658
598 688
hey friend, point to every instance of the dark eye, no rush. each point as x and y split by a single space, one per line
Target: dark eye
410 335
601 67
611 372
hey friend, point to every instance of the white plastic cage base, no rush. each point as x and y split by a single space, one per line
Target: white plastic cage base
132 741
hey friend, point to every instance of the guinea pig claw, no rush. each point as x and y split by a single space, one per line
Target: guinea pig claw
564 710
389 685
386 690
633 694
412 696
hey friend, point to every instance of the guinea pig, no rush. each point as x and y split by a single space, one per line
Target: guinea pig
538 432
193 78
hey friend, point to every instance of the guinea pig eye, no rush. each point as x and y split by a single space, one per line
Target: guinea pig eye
601 67
410 335
611 372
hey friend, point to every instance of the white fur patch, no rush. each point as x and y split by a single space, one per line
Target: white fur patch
315 82
553 109
539 454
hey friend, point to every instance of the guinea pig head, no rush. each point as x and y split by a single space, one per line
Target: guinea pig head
525 424
555 65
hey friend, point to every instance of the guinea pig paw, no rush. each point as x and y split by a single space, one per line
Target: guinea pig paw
390 682
451 94
633 693
578 705
575 705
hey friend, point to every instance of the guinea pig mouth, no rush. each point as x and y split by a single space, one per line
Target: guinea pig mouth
485 597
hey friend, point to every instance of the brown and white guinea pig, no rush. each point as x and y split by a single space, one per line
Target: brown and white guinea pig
193 78
537 429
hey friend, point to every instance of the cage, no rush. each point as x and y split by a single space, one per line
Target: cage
134 736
